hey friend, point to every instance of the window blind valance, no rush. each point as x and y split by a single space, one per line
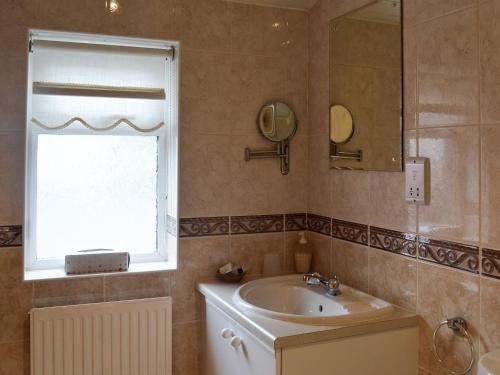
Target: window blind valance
98 86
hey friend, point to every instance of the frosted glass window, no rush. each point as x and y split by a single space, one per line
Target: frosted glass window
101 156
96 191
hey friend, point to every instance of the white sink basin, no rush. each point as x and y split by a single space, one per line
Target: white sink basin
489 364
289 298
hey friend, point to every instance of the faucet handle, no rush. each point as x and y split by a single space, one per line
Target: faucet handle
334 284
312 278
308 276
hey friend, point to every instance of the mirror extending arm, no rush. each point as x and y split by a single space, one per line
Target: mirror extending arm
282 152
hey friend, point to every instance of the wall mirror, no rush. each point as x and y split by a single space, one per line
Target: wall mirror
277 122
366 113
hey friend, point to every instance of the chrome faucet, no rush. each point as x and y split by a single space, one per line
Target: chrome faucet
332 286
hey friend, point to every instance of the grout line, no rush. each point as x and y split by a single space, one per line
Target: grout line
448 126
480 187
417 152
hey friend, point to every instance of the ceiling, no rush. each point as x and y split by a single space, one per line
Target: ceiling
292 4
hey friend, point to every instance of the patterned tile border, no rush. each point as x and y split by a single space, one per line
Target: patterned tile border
295 222
394 241
451 254
11 235
319 224
446 253
204 226
348 231
490 263
257 224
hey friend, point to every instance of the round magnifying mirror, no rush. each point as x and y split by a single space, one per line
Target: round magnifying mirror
341 125
277 121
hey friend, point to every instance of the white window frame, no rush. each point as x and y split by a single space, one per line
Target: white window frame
162 253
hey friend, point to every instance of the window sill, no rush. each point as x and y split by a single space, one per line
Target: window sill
59 273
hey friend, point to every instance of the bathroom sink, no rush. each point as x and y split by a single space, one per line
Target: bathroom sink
289 298
489 364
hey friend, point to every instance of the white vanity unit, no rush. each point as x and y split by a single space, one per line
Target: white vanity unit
281 326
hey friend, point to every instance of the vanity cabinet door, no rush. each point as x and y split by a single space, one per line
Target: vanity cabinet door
250 357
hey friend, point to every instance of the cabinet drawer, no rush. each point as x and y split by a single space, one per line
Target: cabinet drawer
250 357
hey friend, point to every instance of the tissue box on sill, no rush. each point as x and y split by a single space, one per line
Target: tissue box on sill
94 261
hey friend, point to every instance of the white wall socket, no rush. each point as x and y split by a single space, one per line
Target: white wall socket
417 188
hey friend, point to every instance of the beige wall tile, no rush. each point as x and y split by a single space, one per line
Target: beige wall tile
318 183
136 286
204 175
490 193
266 30
385 210
11 266
68 291
393 278
187 343
291 245
350 263
319 63
445 293
453 212
257 186
322 253
448 70
14 309
489 11
249 250
15 358
388 207
198 258
350 195
202 24
490 319
12 177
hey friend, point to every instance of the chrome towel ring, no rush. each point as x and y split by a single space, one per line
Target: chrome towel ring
459 326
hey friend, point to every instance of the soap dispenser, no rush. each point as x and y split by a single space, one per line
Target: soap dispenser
303 254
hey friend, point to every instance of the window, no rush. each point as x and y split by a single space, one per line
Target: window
101 148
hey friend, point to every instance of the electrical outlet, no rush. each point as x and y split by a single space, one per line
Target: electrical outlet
417 180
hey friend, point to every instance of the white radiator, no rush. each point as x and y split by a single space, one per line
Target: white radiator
112 338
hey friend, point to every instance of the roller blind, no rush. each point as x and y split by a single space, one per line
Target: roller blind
99 84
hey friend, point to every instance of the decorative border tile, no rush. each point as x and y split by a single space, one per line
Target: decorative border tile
490 263
11 235
257 224
451 254
348 231
394 241
294 222
319 224
204 226
171 225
